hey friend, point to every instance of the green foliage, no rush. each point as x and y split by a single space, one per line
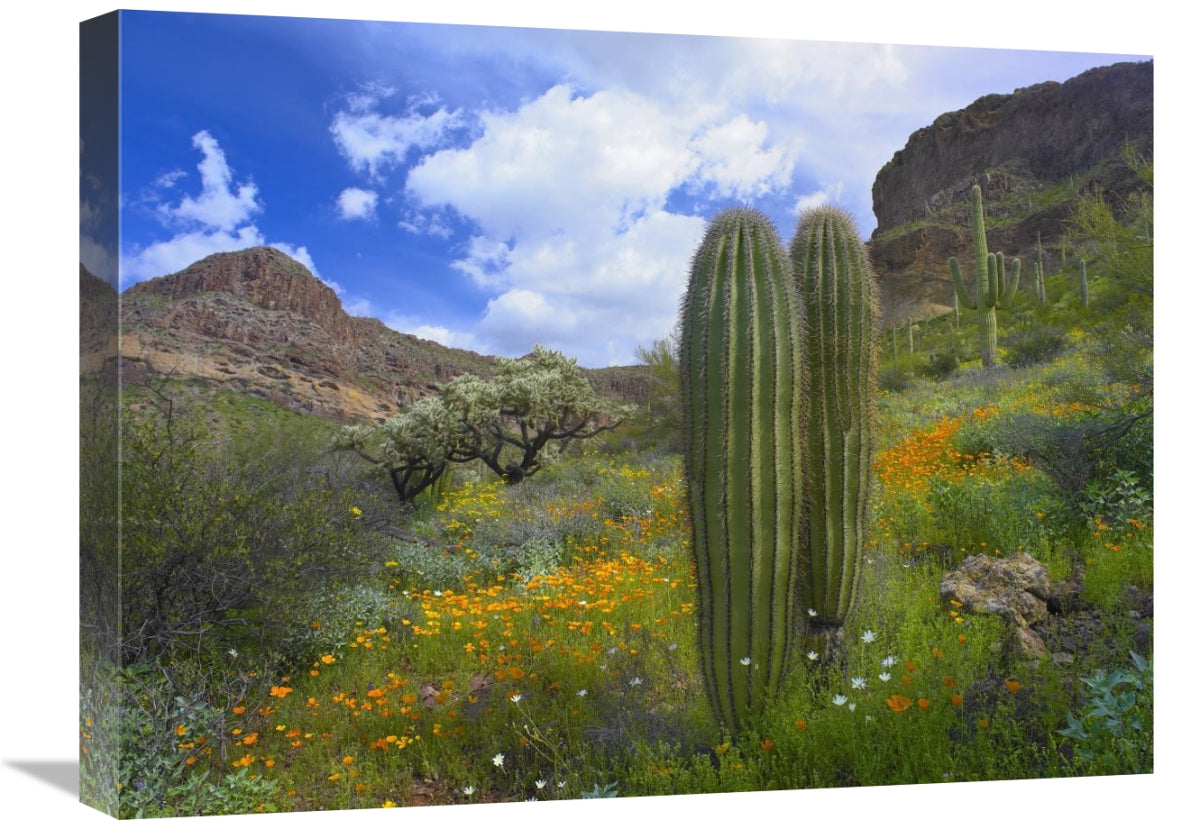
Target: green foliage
220 541
894 378
941 365
1034 345
662 416
510 423
1114 733
993 289
740 372
840 309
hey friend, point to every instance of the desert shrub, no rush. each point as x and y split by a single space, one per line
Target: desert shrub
1034 345
941 365
221 541
894 379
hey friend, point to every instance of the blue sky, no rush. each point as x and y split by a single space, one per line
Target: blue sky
491 188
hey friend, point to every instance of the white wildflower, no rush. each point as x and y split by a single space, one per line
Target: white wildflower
498 760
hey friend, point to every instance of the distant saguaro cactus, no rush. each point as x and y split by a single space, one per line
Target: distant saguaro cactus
1083 283
992 290
740 380
839 297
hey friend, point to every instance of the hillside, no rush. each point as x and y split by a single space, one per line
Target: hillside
259 323
1032 152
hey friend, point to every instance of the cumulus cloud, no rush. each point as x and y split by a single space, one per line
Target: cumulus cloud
373 142
569 192
356 203
738 161
221 204
216 220
827 195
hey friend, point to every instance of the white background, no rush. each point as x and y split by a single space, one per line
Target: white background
38 493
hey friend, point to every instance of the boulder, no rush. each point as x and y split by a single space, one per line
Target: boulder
1016 588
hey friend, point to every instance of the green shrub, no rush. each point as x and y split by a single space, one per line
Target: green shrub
941 365
1034 345
894 379
1115 732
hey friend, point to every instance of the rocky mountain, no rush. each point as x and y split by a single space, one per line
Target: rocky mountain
1032 152
258 322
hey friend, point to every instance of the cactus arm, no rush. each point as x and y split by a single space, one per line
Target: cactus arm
1010 288
960 290
987 298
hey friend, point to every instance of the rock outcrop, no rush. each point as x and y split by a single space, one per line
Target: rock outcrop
1032 152
258 322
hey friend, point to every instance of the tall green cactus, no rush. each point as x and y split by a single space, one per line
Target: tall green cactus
1039 274
992 289
839 297
740 379
1083 283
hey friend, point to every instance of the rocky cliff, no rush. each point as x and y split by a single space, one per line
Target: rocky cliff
1032 152
258 322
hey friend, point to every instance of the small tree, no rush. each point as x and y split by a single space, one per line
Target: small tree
506 422
662 359
414 447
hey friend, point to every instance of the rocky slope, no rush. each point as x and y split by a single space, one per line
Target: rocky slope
258 322
1032 152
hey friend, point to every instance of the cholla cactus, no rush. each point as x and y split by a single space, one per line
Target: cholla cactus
414 446
992 289
740 382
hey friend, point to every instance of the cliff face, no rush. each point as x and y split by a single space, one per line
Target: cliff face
1031 152
258 322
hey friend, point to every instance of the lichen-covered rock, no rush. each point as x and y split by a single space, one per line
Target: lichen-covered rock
1015 588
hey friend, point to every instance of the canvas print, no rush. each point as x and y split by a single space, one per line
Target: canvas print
475 414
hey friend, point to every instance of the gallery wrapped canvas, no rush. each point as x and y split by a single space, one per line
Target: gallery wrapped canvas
473 415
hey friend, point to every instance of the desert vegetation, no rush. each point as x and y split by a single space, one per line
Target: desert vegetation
295 637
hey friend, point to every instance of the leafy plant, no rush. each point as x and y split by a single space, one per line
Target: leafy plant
1114 732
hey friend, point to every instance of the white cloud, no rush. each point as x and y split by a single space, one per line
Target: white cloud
220 204
356 203
216 221
570 194
373 142
425 224
827 195
736 158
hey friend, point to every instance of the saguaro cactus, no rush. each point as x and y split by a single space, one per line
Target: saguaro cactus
839 296
1083 283
992 290
1039 274
740 379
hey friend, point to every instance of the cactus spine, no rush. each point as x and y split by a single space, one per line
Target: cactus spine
740 378
992 290
839 297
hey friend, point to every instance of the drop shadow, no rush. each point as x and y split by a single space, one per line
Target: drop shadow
61 774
